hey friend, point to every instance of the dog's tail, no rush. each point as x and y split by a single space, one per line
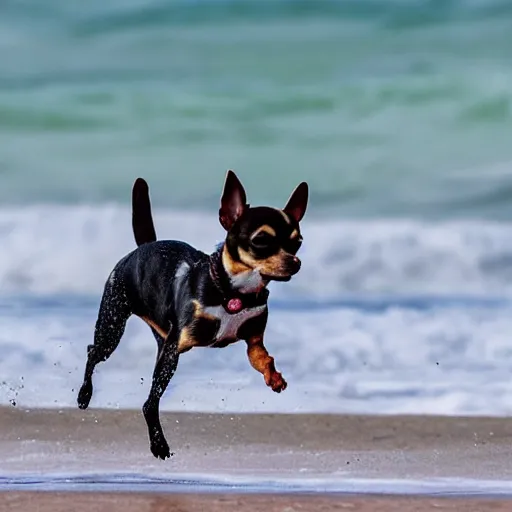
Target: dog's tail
142 219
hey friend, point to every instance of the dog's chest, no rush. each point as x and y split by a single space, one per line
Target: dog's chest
230 323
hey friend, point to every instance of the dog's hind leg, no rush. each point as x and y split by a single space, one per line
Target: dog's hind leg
112 317
159 339
166 364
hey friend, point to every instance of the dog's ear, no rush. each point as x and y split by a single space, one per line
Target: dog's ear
233 202
298 202
142 219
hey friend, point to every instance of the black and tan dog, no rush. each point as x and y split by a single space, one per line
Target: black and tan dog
191 299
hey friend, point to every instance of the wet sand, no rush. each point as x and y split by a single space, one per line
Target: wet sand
224 461
397 447
88 502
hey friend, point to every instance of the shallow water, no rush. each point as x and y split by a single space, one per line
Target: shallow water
439 487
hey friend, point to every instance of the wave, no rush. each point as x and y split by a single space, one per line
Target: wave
451 361
48 250
122 16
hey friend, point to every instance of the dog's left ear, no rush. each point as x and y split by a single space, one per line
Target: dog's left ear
298 202
233 202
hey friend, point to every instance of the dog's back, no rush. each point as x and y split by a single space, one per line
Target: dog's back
150 271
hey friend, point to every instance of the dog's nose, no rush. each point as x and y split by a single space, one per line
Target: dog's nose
294 264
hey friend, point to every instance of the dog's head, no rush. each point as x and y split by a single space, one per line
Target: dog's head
261 239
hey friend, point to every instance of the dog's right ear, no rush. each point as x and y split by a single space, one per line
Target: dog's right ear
233 202
298 202
142 219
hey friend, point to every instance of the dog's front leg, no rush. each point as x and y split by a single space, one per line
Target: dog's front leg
166 364
262 362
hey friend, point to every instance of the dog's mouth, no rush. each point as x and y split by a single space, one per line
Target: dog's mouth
282 279
282 273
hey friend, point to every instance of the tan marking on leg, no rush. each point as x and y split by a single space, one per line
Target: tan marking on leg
197 307
186 341
154 326
262 362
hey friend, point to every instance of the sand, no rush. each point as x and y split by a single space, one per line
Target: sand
88 502
326 462
309 445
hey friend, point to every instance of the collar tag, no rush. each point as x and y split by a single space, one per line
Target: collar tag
234 305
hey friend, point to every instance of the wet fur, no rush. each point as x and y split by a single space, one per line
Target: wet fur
169 285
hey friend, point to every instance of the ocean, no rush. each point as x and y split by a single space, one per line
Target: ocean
398 114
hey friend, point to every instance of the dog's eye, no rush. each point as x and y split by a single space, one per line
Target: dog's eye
294 244
262 239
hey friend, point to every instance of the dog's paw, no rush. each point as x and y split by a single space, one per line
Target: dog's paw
159 447
84 396
275 381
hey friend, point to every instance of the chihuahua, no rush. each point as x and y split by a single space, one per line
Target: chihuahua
192 299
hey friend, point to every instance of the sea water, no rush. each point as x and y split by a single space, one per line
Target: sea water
398 114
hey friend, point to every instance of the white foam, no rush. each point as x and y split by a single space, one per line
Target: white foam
399 357
433 361
49 249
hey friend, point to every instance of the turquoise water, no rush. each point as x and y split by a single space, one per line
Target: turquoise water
387 108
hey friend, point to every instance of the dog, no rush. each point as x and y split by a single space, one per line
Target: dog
193 299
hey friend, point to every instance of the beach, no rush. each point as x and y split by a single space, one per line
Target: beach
256 459
394 337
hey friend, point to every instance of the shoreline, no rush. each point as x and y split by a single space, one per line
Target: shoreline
330 452
58 460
